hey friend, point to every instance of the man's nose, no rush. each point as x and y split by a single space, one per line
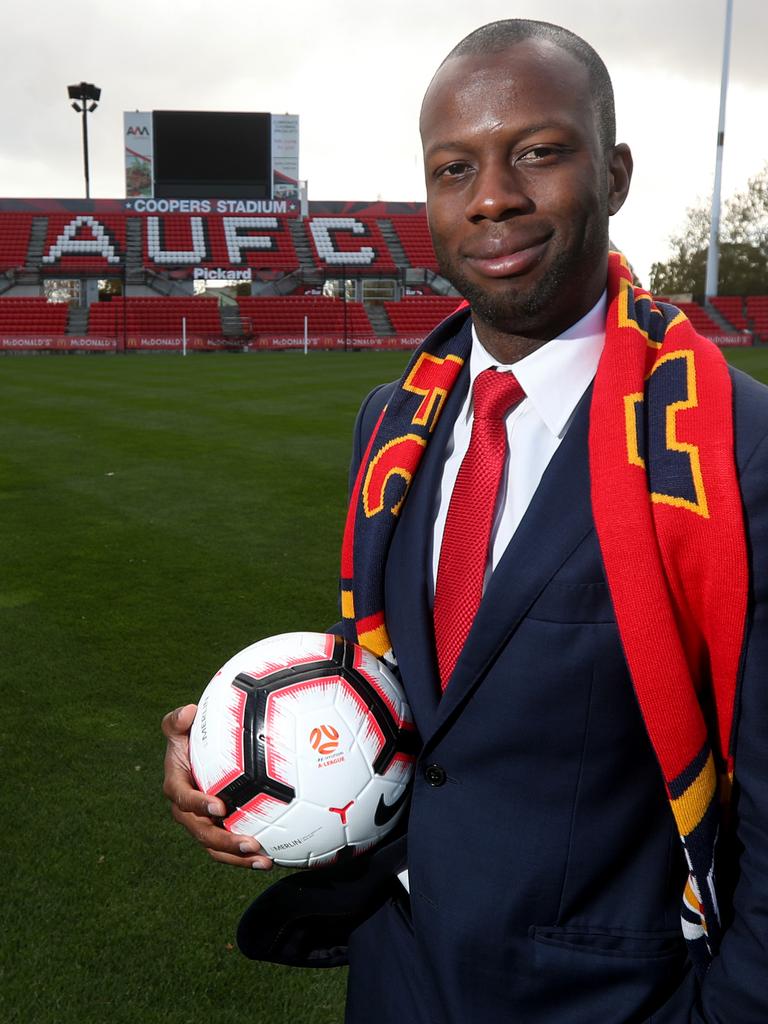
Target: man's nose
499 192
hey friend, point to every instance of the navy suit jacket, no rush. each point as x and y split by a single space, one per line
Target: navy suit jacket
545 868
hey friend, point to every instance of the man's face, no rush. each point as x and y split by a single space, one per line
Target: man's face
519 188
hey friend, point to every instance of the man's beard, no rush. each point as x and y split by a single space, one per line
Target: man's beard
515 311
528 310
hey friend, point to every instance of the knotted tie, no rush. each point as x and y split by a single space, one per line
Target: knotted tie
467 535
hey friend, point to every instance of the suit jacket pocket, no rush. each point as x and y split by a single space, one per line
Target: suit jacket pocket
605 975
612 942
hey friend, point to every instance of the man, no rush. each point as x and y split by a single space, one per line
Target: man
572 590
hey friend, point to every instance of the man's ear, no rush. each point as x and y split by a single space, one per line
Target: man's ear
620 165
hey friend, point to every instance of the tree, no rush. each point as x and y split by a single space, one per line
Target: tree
743 247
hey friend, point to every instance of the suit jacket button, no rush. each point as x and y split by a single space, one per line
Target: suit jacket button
435 775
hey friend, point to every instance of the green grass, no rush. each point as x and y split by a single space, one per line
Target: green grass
752 360
157 515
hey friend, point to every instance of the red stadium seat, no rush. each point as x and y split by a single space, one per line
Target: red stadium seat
14 239
84 242
700 319
353 245
154 316
413 232
285 315
419 314
31 315
732 308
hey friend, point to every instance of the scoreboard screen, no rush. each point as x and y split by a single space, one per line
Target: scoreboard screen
210 154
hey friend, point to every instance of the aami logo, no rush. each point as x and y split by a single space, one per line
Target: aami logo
138 130
324 739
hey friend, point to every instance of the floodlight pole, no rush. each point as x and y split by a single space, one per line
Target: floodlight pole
713 253
85 153
344 300
85 98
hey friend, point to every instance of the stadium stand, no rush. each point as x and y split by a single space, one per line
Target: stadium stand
416 240
179 240
14 239
159 258
414 315
353 244
154 316
32 315
699 317
84 243
757 314
286 314
731 307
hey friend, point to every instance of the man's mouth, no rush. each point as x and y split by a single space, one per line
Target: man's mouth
506 261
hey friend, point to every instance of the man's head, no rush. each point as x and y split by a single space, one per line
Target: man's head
522 174
500 36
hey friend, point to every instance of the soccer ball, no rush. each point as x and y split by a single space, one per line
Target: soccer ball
309 741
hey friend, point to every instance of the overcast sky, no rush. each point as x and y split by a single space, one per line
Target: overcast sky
355 73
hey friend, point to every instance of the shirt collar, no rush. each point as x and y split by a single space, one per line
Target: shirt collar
556 375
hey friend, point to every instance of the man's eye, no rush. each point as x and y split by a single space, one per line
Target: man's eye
453 170
539 153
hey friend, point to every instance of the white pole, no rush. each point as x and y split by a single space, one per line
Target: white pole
306 335
713 254
183 335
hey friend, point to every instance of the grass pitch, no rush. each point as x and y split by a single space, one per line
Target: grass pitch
158 514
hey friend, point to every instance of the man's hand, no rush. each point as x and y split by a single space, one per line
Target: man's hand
199 813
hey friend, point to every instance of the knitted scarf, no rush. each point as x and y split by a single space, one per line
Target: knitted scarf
668 515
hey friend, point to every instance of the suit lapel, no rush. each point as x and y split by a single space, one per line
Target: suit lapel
408 569
557 520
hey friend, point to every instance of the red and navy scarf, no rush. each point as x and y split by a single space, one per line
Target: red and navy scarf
668 515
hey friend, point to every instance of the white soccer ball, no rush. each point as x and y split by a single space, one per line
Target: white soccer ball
310 743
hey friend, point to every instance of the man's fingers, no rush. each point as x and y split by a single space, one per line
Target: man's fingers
179 721
223 846
187 799
197 811
178 784
261 863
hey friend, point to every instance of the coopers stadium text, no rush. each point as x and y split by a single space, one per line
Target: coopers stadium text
208 205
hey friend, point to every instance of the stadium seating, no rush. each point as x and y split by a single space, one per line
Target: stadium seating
95 243
415 239
84 243
732 308
285 315
757 313
152 250
14 239
150 316
181 240
353 244
32 316
418 314
700 319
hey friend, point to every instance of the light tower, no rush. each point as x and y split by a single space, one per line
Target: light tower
85 97
713 254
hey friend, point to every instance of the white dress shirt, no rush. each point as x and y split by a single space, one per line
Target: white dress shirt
554 378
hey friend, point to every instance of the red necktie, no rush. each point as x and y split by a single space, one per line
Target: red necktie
466 540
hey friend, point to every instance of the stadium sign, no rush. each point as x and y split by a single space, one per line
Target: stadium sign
283 206
283 342
55 342
219 274
729 340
